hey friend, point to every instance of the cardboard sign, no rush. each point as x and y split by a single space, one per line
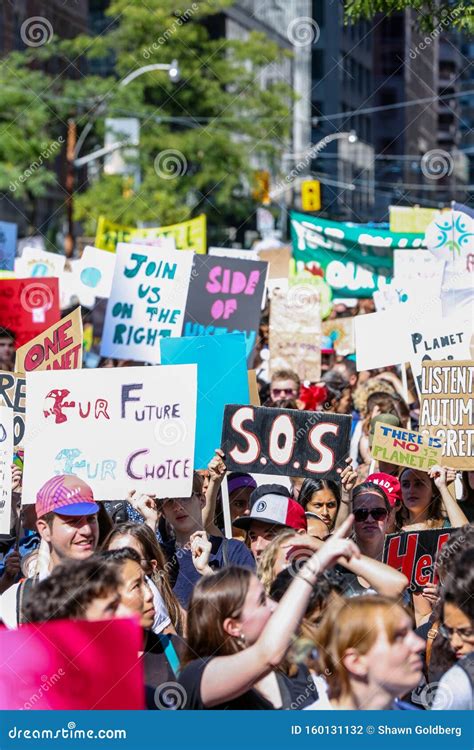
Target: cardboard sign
447 409
28 307
285 441
295 331
254 394
381 338
221 377
224 297
117 429
72 665
8 236
6 458
58 348
405 447
37 263
187 235
415 554
146 303
439 339
13 395
341 333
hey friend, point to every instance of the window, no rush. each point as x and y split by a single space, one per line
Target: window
317 64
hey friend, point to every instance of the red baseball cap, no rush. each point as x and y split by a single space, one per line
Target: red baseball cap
275 508
389 483
65 494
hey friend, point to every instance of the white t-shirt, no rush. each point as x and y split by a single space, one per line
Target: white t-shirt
454 692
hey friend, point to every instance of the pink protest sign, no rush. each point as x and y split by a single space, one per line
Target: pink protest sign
72 665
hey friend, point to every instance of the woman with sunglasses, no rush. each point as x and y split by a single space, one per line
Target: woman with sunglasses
456 688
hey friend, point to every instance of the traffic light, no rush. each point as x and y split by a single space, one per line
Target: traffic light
311 195
261 191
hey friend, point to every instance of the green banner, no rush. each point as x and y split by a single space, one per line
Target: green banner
355 260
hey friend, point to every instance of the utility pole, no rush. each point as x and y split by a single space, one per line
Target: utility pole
70 149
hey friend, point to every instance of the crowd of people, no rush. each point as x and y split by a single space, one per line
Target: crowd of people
297 610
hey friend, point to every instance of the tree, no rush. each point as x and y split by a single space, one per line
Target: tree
429 13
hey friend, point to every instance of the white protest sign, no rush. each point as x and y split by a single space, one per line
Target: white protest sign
439 339
147 301
117 429
381 338
6 458
93 274
37 263
418 264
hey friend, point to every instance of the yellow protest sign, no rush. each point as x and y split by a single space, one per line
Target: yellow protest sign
447 409
411 219
394 445
187 235
57 348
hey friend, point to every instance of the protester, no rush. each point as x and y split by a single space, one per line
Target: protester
184 518
427 502
237 637
369 654
240 487
7 349
284 385
135 594
272 510
467 499
169 615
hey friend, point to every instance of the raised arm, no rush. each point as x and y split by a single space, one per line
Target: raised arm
382 578
217 470
227 677
440 475
348 482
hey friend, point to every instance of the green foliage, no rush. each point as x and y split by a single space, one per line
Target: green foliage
429 13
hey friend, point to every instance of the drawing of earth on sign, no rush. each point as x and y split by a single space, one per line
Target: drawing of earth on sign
91 277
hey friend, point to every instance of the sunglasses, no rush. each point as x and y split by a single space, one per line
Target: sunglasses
285 391
362 514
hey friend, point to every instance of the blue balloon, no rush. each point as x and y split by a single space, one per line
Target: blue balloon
91 277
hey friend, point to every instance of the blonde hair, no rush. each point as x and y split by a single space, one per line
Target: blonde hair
352 623
266 562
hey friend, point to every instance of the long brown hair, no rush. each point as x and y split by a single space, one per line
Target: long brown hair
215 598
151 550
435 507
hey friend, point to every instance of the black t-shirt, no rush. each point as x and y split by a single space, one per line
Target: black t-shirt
161 662
296 692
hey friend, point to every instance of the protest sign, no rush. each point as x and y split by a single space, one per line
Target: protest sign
415 553
410 218
118 429
225 297
72 665
447 409
285 441
38 263
13 395
381 338
233 252
147 301
295 331
441 339
254 395
221 377
28 306
57 348
6 458
341 333
405 447
93 275
187 235
418 265
8 236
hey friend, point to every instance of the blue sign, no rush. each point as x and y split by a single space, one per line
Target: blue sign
222 379
8 234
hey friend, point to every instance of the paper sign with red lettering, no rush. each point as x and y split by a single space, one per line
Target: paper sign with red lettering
395 445
295 443
6 458
147 301
13 395
58 348
72 665
118 429
224 297
28 306
415 553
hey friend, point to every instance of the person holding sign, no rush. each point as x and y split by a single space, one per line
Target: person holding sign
237 637
426 501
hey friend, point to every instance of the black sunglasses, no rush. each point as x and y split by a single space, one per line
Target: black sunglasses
362 514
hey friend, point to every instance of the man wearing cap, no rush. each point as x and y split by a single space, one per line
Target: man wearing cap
67 523
272 511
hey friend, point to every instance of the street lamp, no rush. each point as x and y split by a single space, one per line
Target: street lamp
74 147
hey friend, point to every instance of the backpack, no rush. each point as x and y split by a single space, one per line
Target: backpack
23 594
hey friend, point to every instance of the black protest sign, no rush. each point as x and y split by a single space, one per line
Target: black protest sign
294 443
415 554
225 296
12 394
